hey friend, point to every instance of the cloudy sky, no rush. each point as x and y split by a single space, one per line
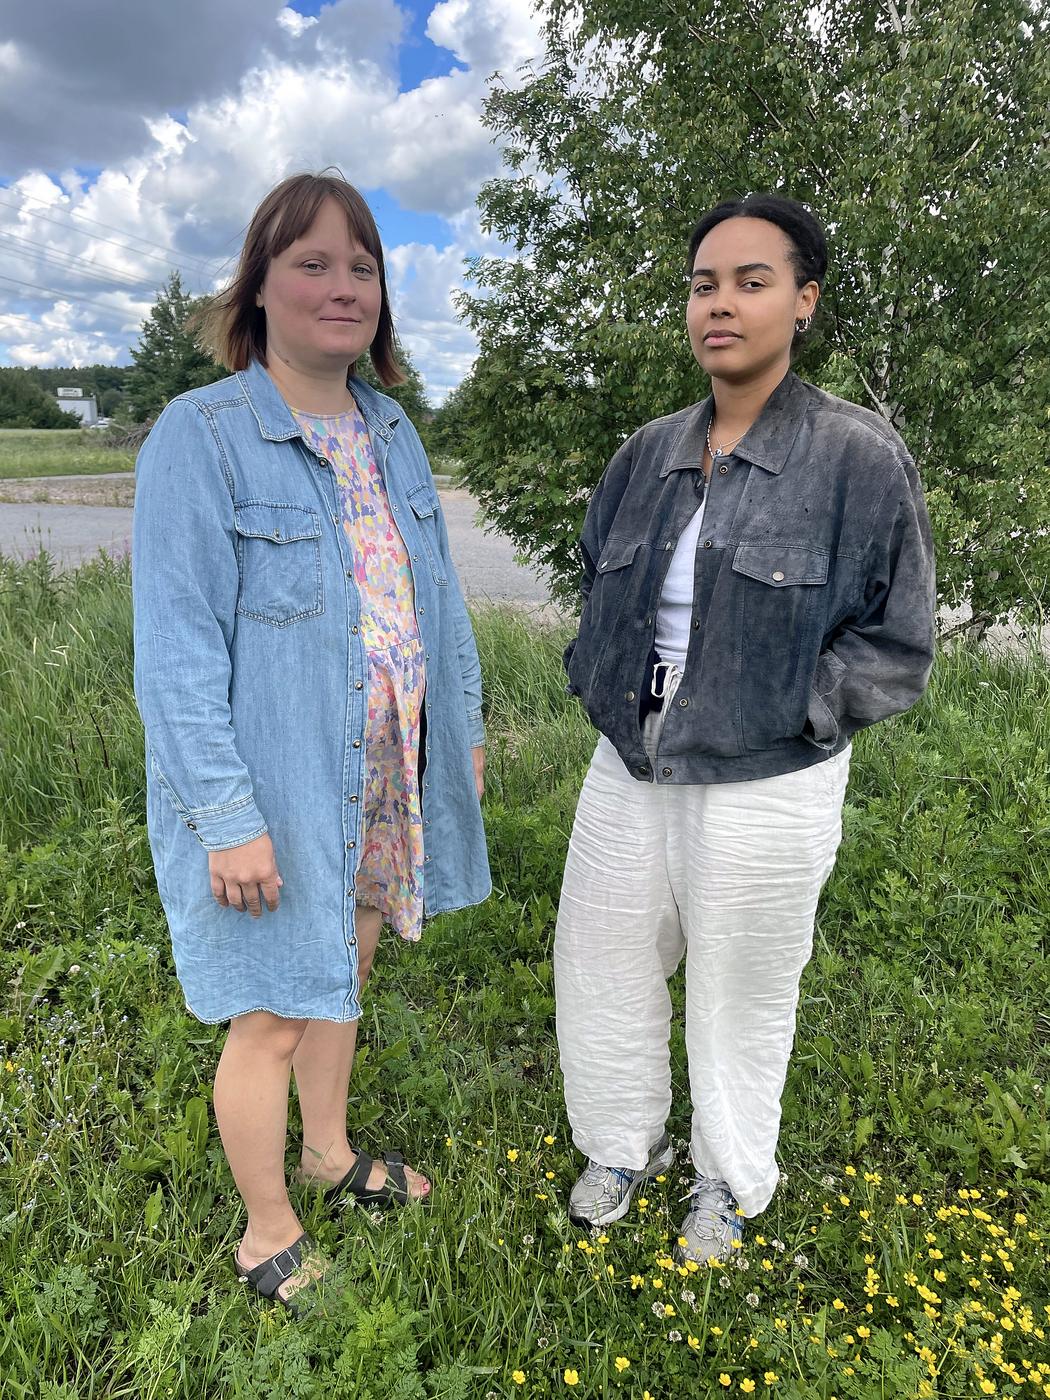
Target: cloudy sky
135 139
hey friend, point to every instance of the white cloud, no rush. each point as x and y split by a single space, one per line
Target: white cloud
296 95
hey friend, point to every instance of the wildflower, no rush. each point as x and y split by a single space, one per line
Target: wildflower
725 1380
658 1282
688 1296
637 1281
864 1333
527 1239
800 1261
9 1066
549 1176
571 1377
603 1239
747 1385
540 1196
643 1205
838 1305
585 1245
987 1387
770 1377
901 1200
674 1336
512 1154
549 1139
716 1331
916 1197
518 1377
751 1299
767 1264
669 1311
850 1171
448 1142
873 1178
843 1200
622 1363
891 1301
692 1342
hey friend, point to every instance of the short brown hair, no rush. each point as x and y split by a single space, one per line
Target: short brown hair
233 327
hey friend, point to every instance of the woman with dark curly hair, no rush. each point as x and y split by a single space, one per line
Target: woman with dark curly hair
757 586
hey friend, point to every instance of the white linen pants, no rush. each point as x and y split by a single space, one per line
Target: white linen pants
728 874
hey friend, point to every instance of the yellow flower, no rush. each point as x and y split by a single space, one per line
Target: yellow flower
901 1200
512 1154
661 1179
668 1310
448 1142
916 1197
658 1282
643 1204
716 1331
571 1377
622 1363
988 1387
747 1385
864 1332
518 1377
767 1264
770 1377
549 1139
851 1171
637 1281
838 1305
549 1176
843 1200
540 1196
694 1342
725 1380
9 1066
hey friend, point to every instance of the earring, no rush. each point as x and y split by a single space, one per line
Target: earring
803 326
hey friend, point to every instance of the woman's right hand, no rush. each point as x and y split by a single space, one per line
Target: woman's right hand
239 874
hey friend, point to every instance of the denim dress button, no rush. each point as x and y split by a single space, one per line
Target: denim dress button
629 695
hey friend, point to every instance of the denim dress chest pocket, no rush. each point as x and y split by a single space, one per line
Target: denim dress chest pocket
279 560
424 505
782 603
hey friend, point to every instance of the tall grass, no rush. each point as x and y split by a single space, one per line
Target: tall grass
31 452
920 1075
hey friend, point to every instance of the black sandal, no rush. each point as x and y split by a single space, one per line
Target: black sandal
394 1190
267 1277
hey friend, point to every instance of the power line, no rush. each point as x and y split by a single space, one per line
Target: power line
153 257
72 262
63 296
114 228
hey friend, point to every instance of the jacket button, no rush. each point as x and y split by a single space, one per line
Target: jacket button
322 462
629 695
707 544
683 702
778 576
349 573
277 534
422 611
643 769
350 892
696 624
648 622
357 743
668 545
359 685
667 772
192 826
350 845
354 630
354 798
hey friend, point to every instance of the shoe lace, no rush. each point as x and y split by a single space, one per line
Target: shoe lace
596 1172
715 1205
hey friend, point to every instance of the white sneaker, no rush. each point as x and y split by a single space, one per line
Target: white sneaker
603 1194
711 1225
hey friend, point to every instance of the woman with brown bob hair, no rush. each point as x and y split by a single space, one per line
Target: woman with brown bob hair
311 696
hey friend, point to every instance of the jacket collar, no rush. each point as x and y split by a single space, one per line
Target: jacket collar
274 417
767 442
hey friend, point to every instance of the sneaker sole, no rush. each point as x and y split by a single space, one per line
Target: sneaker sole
653 1168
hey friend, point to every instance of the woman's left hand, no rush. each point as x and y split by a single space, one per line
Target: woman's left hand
478 755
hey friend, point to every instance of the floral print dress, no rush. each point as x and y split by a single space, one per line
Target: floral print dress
390 871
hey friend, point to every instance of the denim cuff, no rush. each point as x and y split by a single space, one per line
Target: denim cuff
221 831
476 729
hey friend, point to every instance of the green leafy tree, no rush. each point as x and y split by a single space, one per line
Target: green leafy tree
412 395
917 133
168 359
24 404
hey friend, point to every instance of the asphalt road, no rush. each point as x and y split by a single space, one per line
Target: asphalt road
72 533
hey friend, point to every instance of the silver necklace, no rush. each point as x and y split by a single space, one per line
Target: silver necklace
722 447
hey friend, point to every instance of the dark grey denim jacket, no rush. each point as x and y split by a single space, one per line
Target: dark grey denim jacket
813 607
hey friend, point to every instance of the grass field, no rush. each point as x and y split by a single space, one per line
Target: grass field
33 452
906 1253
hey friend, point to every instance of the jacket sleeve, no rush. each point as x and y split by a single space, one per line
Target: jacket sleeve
878 660
600 512
469 662
184 586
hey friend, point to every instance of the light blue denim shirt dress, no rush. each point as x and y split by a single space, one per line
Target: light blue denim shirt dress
250 676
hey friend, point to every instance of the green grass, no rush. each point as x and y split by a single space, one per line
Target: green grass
32 452
920 1066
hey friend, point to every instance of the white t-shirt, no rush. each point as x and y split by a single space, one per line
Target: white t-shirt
674 616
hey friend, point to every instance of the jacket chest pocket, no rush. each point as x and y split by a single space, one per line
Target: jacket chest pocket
782 592
279 558
424 505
